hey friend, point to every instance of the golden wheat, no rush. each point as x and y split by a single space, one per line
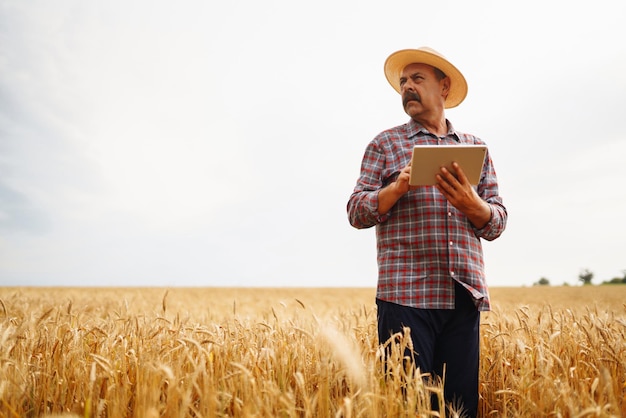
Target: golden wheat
294 353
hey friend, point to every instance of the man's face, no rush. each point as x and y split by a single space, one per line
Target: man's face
422 92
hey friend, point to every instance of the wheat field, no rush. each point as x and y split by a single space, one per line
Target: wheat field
265 352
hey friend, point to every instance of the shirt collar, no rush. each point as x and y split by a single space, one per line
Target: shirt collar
415 128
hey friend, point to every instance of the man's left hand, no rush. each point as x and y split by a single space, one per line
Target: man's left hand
457 189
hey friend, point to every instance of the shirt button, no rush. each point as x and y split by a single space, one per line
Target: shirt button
449 213
451 243
452 273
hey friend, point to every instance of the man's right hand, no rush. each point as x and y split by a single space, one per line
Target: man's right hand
389 195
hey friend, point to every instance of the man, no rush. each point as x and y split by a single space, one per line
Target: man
430 261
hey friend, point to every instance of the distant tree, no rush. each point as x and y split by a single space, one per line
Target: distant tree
615 280
542 282
585 276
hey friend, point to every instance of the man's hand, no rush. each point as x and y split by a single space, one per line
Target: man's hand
395 190
402 182
460 193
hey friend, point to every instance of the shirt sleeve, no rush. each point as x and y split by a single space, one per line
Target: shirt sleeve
488 191
363 203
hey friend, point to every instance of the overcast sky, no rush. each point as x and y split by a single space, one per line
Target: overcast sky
206 143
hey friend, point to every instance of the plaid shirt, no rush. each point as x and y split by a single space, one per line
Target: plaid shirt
424 244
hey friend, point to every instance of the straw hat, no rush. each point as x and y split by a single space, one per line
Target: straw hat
424 55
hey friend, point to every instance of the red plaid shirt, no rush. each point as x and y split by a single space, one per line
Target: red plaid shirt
424 244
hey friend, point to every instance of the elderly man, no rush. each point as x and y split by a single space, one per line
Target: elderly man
430 260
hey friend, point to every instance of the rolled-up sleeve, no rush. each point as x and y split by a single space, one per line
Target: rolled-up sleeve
488 191
363 203
496 225
363 210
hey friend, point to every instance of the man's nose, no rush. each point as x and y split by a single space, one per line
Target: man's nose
407 86
404 90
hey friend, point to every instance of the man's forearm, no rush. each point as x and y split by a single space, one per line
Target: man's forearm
387 198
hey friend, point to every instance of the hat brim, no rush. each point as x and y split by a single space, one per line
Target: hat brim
396 62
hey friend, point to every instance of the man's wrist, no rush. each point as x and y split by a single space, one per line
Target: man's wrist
388 196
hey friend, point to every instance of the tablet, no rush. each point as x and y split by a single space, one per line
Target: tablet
427 160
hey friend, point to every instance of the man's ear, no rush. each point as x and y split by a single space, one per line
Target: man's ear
445 87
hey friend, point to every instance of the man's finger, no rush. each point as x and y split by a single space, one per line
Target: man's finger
460 175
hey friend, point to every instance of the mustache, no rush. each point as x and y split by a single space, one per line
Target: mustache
408 96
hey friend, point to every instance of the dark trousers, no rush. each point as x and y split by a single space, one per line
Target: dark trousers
441 337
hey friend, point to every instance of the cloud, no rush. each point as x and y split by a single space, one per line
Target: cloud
18 214
217 143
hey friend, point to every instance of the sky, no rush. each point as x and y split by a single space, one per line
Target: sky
205 143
